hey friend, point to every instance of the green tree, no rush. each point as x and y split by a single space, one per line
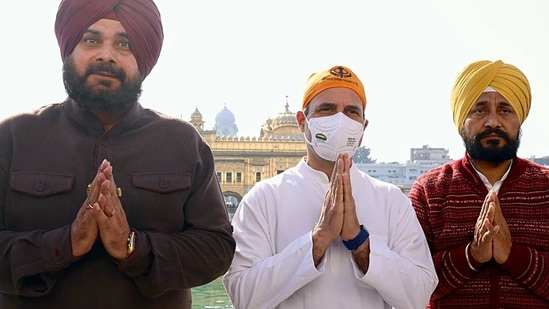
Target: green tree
362 155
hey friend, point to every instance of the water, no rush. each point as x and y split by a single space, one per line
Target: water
211 296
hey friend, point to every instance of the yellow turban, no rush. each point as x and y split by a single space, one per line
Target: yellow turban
505 78
337 76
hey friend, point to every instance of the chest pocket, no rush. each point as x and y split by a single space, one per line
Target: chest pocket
162 182
40 184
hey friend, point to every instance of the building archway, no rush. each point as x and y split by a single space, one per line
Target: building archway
232 199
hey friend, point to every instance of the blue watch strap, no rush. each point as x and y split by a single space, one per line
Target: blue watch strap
358 240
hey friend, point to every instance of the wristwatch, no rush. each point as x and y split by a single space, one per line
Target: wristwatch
358 240
131 247
131 244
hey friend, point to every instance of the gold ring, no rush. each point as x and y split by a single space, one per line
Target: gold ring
88 188
89 206
111 213
119 192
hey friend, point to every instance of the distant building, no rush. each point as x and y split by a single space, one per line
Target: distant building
225 124
542 161
404 175
429 155
241 162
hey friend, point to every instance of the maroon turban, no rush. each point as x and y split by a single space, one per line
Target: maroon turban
140 19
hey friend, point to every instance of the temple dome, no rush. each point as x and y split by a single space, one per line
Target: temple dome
225 123
225 116
196 115
196 120
283 126
284 118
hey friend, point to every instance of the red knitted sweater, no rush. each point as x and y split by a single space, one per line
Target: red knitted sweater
448 200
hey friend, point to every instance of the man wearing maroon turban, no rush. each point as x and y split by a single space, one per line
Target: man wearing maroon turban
486 215
70 235
140 19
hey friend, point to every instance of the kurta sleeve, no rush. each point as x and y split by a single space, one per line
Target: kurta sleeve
402 262
257 265
28 260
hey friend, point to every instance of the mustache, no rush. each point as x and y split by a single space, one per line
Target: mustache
106 67
487 132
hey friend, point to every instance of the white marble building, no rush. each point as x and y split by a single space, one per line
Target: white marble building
403 175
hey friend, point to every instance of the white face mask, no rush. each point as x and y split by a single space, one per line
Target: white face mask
332 135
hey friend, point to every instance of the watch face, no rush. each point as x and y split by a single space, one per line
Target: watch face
131 243
131 247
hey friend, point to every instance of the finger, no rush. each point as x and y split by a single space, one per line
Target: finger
479 226
85 209
104 164
108 172
487 221
491 211
485 206
340 190
102 201
339 180
111 208
488 226
93 188
105 187
334 171
334 184
347 176
497 207
105 205
115 190
488 236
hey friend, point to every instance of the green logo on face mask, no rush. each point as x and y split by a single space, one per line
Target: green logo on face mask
321 137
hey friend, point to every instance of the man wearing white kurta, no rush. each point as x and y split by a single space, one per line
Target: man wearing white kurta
307 238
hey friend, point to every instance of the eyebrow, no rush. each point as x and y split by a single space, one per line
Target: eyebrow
96 32
331 104
484 102
353 107
326 104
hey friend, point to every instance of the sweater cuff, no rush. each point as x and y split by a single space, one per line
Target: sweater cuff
459 262
519 260
476 265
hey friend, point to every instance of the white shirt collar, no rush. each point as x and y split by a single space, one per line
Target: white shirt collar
487 183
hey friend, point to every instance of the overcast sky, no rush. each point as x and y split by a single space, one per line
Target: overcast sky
249 55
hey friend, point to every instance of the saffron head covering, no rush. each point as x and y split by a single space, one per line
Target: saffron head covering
504 78
337 76
140 18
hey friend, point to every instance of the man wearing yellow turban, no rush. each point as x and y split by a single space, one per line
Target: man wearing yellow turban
70 235
502 78
486 215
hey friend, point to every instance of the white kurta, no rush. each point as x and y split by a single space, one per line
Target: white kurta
273 265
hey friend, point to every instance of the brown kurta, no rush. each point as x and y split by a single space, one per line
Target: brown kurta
171 198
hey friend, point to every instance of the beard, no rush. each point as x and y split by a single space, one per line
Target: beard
108 100
493 152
